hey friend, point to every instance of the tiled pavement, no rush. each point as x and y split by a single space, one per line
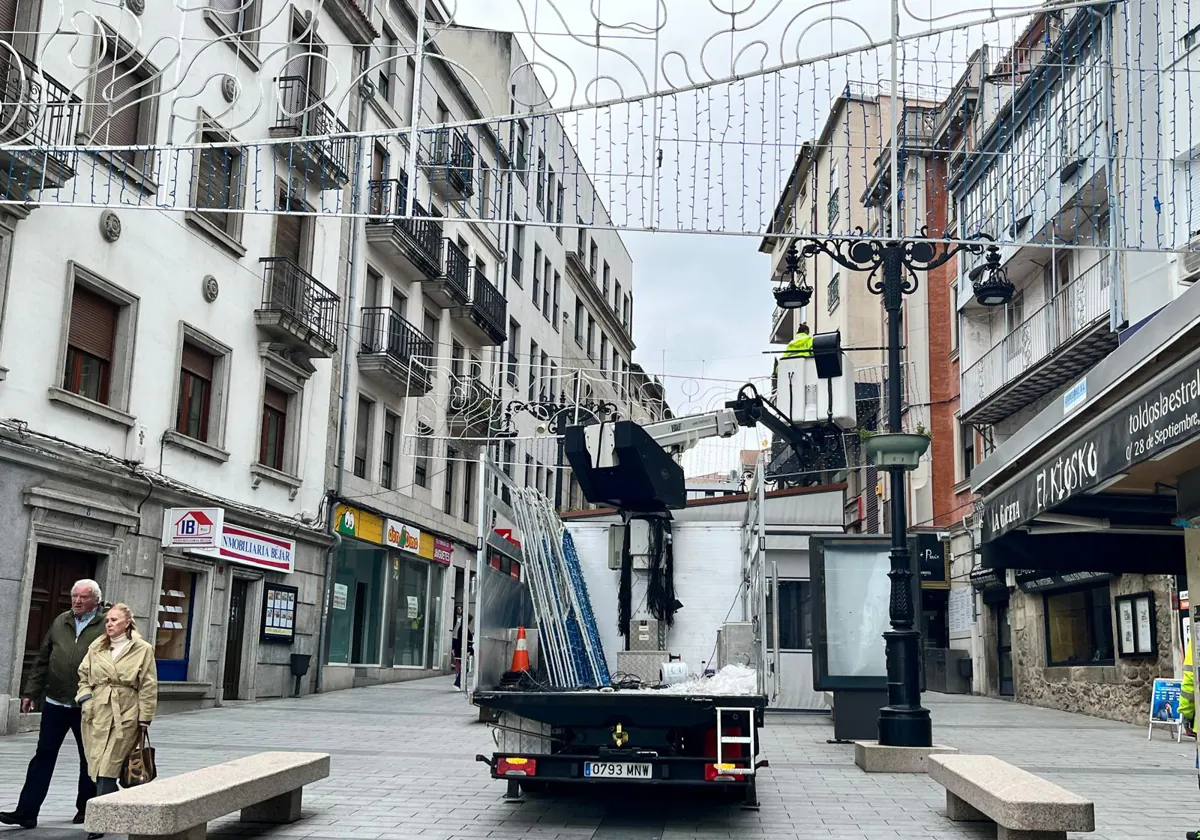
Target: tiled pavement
403 767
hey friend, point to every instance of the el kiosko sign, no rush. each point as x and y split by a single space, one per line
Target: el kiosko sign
1152 423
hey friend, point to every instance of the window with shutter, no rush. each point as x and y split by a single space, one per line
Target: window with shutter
217 186
240 16
117 114
91 336
289 231
8 23
274 428
195 392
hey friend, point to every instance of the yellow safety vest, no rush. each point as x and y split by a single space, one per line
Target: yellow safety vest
800 346
1187 696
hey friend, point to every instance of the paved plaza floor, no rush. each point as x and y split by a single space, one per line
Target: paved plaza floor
403 767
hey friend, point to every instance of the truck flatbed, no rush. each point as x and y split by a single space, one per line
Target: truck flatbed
631 736
597 707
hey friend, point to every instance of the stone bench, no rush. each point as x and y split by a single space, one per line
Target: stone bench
266 787
982 788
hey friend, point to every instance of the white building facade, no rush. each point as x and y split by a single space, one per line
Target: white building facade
157 360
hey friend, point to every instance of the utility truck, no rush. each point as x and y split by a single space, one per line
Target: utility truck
651 657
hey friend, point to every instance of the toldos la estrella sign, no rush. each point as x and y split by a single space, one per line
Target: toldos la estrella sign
1155 421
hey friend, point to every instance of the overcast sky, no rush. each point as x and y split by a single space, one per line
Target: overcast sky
703 303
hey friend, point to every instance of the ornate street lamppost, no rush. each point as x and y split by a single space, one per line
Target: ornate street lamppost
892 268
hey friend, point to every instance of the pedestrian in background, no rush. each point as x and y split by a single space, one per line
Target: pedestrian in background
53 683
118 692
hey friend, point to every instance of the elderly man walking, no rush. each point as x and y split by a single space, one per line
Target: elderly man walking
55 679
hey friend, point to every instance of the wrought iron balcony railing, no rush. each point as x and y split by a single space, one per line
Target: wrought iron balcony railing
457 270
489 303
35 109
292 291
1083 303
303 113
386 331
469 397
389 198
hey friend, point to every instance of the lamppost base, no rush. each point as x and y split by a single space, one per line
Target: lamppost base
905 726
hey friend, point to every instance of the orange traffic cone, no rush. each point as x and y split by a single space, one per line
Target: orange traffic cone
521 654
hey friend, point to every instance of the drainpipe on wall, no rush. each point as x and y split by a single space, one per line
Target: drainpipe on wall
1116 283
322 648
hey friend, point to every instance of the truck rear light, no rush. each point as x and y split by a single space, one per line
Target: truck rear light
516 767
712 772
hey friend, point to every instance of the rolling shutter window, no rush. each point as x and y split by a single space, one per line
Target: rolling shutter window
8 22
93 327
121 84
276 399
198 362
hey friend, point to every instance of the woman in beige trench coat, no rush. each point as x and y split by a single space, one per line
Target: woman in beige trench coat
118 694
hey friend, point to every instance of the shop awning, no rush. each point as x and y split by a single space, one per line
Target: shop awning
1151 424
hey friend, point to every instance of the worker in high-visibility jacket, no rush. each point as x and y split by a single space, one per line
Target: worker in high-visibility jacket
1187 696
800 345
1187 711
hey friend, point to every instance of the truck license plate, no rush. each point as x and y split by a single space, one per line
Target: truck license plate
622 770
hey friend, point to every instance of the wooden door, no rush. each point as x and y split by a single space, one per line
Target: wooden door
234 639
54 573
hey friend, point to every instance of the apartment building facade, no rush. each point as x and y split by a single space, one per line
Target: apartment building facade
157 361
415 401
822 198
1078 596
467 313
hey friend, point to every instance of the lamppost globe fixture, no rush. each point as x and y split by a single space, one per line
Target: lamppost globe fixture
793 295
990 282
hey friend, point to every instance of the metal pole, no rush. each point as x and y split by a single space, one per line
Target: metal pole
897 114
902 722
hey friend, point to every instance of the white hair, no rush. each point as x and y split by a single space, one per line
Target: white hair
90 584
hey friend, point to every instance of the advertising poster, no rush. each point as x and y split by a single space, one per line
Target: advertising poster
279 613
1164 706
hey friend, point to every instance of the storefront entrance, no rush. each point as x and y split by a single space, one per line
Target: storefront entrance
235 638
54 573
1004 660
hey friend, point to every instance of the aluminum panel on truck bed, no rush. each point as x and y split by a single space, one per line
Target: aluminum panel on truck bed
708 576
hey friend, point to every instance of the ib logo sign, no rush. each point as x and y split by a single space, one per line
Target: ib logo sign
192 527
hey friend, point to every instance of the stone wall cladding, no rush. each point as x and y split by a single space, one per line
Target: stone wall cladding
1116 692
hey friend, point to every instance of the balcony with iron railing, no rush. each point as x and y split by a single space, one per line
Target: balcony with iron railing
414 243
394 353
297 309
485 314
473 406
35 111
448 159
452 288
323 148
1052 347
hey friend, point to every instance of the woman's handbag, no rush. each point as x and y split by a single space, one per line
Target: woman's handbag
139 766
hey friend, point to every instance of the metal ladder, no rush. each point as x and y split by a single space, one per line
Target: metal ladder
748 740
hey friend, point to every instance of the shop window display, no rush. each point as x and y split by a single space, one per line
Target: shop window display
172 633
